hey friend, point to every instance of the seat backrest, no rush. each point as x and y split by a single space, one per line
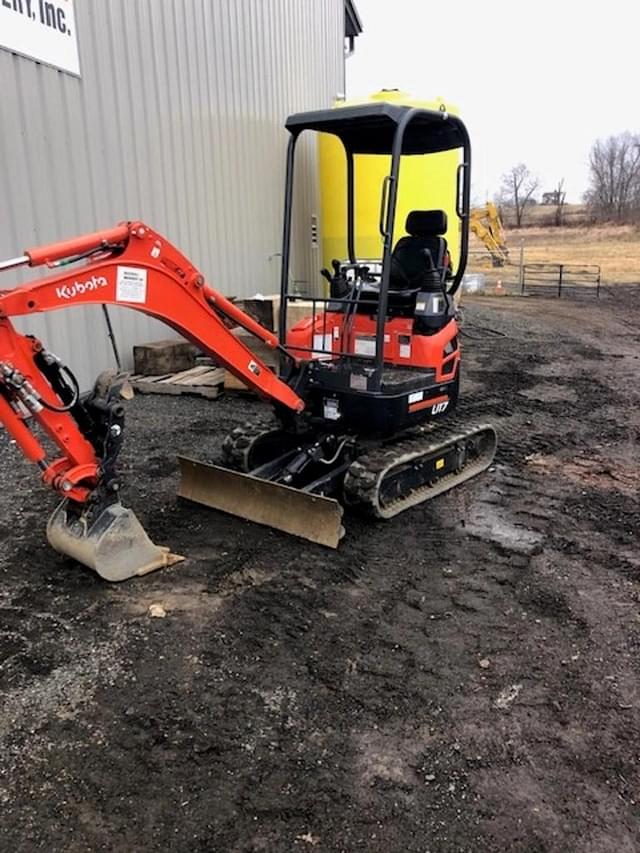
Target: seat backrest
409 266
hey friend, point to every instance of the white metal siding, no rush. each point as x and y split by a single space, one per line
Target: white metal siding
177 120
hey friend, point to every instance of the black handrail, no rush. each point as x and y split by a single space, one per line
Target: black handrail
286 237
351 248
382 225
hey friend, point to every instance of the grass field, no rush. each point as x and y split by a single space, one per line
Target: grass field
616 249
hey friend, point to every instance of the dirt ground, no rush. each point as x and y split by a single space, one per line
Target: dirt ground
462 678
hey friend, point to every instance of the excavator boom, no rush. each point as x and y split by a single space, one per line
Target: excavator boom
131 266
486 224
134 267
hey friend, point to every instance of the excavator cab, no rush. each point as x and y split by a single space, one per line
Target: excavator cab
386 329
374 129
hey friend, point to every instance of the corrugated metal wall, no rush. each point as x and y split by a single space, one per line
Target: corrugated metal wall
177 120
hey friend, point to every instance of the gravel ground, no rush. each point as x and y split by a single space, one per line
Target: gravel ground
461 678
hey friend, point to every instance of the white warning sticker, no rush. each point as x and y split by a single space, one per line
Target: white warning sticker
416 397
131 285
365 345
358 382
322 346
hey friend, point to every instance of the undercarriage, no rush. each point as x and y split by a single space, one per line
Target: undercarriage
378 478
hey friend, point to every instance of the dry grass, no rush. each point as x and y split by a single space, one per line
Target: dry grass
616 249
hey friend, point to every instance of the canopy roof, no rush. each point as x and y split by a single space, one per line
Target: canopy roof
370 128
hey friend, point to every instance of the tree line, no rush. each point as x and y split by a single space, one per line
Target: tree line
613 194
614 168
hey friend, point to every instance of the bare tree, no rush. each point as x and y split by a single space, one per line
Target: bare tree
614 166
518 187
560 196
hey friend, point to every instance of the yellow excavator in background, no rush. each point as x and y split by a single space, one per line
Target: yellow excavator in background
486 224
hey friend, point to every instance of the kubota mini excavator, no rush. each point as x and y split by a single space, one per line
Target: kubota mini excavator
362 386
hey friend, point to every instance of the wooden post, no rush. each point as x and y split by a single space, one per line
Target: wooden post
521 265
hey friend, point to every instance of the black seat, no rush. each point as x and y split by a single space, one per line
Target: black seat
411 267
419 262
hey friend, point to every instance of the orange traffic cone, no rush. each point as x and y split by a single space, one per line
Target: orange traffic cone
499 288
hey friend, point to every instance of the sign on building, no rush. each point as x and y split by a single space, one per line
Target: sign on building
41 30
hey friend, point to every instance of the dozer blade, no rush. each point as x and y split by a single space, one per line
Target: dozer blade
114 543
308 516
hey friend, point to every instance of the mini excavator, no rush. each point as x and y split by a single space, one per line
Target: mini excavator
361 399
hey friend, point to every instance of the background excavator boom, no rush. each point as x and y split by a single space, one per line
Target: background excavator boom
486 224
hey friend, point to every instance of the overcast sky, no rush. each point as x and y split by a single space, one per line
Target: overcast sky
535 82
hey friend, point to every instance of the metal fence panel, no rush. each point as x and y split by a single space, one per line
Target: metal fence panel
560 279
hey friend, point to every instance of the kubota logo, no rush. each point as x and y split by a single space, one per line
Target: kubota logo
79 288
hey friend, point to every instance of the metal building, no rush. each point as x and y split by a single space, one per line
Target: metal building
176 118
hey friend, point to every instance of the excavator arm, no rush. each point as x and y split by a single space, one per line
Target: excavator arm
131 266
486 224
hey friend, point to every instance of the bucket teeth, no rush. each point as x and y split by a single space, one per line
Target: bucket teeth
113 543
312 517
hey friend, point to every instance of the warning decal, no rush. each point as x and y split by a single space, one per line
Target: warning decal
131 285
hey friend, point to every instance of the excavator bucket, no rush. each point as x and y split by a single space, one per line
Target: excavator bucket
114 543
299 513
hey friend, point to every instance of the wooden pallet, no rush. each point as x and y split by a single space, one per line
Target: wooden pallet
203 380
232 383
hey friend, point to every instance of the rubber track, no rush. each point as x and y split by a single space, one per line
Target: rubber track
364 477
237 445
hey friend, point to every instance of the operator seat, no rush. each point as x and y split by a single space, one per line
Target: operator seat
410 267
